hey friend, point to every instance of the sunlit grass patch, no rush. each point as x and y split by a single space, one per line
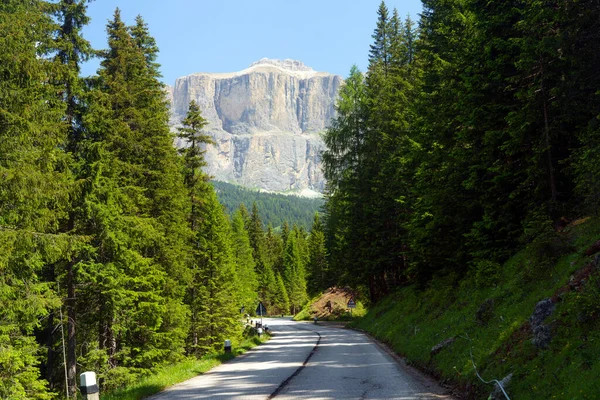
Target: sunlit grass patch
170 375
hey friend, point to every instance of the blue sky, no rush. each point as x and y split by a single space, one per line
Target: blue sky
228 35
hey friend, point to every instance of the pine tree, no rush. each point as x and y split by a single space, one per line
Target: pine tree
72 50
245 265
281 302
215 303
274 249
380 49
318 277
135 211
294 275
34 191
218 287
342 162
264 270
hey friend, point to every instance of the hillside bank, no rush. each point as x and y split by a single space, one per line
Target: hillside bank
534 320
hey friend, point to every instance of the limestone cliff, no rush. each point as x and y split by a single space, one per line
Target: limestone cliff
265 121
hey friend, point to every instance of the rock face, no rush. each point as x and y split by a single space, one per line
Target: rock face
265 120
542 335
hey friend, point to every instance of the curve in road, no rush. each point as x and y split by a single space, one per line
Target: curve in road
306 361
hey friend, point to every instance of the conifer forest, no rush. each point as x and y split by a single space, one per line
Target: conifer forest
474 130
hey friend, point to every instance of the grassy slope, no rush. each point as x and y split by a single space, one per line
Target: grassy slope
180 372
491 312
338 298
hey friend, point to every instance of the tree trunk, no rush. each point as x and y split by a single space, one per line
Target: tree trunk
71 333
50 346
553 191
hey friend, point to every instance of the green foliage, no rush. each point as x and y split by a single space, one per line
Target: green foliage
493 321
213 300
294 273
281 300
35 186
247 282
462 135
318 275
275 209
486 273
222 275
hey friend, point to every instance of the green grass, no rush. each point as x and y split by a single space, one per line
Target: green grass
493 321
172 374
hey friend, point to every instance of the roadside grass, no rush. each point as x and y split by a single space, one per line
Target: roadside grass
491 321
170 375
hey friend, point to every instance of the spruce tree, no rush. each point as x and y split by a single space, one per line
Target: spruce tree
281 301
264 270
72 50
217 289
294 275
135 211
215 304
34 191
342 163
244 262
317 272
274 250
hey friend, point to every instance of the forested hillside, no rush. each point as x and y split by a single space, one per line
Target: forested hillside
463 179
115 254
470 134
274 208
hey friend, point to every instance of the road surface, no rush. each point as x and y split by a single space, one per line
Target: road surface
307 361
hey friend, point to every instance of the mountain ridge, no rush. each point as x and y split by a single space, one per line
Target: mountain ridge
265 121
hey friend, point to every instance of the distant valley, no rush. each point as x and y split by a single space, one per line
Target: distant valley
274 209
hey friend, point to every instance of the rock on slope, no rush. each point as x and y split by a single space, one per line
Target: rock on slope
265 121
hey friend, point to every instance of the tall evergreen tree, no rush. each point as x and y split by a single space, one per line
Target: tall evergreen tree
216 302
274 249
34 190
244 262
318 277
380 49
294 275
72 50
342 161
264 270
135 210
281 301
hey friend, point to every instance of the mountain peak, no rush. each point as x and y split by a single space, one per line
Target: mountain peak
287 64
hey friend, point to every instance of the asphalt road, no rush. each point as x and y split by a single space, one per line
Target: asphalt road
307 361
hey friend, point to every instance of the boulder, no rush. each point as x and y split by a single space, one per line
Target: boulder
443 344
497 393
542 334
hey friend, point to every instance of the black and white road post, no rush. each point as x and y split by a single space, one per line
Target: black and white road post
88 386
228 346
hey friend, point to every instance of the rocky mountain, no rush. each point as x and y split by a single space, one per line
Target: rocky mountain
266 122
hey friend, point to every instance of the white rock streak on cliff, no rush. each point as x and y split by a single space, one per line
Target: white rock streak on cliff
265 120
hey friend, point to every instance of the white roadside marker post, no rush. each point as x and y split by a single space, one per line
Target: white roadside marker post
88 386
228 346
